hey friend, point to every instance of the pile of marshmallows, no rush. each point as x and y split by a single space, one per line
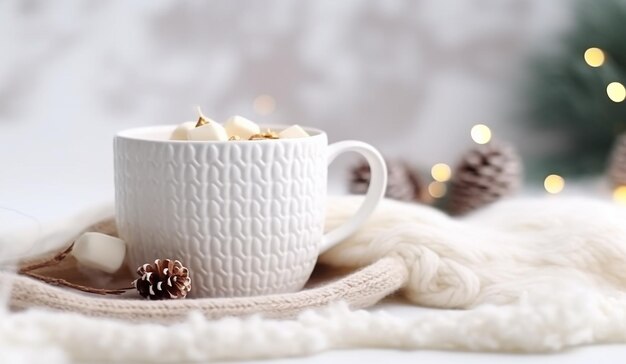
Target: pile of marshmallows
235 128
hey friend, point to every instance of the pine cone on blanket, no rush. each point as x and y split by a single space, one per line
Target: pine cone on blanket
485 174
164 279
617 162
403 182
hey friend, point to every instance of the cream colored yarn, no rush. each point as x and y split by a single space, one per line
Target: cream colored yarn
493 256
529 275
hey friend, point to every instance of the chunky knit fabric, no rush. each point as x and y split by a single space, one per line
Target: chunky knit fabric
528 275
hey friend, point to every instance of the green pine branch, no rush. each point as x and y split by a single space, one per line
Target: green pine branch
567 96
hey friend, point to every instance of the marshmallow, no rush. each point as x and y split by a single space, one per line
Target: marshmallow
209 131
294 131
180 133
242 127
100 251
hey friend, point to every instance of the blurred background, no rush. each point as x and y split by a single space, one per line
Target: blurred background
410 77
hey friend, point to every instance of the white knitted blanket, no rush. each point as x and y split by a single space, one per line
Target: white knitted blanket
529 275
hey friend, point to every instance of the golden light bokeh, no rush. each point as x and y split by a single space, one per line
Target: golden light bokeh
554 183
616 91
481 134
441 172
619 195
264 104
594 57
437 189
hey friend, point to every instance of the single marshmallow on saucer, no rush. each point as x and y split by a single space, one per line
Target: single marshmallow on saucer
209 131
241 127
180 133
294 131
100 251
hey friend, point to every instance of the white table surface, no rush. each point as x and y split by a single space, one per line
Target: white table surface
36 191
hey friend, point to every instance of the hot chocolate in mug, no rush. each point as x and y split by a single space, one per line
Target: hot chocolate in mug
246 217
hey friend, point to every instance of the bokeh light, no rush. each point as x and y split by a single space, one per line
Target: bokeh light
437 189
619 195
594 57
441 172
616 92
554 183
481 134
264 104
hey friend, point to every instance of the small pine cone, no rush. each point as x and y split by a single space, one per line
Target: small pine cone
485 174
403 182
617 162
165 279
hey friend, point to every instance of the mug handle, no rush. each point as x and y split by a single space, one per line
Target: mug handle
375 192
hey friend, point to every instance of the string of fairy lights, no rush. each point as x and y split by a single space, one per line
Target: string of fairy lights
441 173
481 134
596 57
553 183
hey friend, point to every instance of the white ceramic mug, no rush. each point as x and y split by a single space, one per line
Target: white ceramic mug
246 217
